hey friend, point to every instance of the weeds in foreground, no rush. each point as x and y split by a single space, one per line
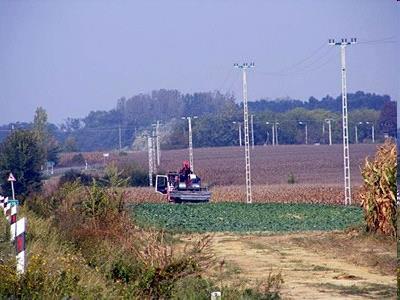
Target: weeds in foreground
82 244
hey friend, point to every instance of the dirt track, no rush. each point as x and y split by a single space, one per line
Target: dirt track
325 271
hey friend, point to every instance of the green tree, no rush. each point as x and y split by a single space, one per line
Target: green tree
40 125
22 155
49 144
70 145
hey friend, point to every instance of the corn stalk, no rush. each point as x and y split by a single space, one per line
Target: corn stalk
378 194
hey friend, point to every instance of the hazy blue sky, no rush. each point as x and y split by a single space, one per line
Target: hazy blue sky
75 56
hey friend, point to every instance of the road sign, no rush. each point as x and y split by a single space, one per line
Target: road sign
13 202
11 177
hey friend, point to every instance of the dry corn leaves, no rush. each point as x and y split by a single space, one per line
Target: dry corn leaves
378 194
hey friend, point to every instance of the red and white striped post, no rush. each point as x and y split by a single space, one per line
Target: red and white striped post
13 222
17 229
20 245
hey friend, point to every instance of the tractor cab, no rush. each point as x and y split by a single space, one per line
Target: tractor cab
183 186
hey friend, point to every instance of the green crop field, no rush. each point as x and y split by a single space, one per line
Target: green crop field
240 217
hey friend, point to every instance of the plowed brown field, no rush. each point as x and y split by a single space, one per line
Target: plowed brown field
310 164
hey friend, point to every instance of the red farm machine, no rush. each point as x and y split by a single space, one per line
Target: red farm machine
182 187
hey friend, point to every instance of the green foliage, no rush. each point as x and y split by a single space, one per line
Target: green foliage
78 159
114 178
47 206
96 202
40 125
70 145
192 288
47 142
21 154
239 217
123 271
136 175
73 175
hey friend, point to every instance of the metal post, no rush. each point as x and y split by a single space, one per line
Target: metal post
190 145
306 135
346 154
356 132
158 143
154 152
240 134
276 133
190 141
330 132
252 131
120 137
12 190
244 67
150 154
306 131
373 133
273 134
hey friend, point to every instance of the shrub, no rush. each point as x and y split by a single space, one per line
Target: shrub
73 175
78 160
379 190
137 175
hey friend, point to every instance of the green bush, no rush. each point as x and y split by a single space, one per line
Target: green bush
78 160
46 206
73 175
192 288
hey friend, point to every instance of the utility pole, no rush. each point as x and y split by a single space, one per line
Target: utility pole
157 151
120 138
252 131
372 131
329 130
306 131
240 132
273 134
273 131
356 133
244 68
158 143
190 141
154 150
346 155
150 155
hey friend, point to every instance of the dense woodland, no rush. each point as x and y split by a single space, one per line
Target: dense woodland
216 112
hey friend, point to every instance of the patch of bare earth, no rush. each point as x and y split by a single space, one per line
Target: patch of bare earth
314 265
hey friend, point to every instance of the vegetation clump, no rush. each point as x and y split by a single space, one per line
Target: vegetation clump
379 190
22 155
83 243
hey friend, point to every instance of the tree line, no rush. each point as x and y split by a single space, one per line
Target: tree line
131 120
